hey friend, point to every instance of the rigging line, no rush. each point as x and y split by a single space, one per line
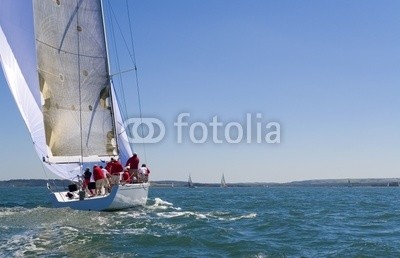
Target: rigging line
137 80
122 72
122 34
124 107
131 35
134 62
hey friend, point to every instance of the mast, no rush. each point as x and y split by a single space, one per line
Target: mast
79 84
110 91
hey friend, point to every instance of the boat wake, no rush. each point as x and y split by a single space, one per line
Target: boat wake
247 216
207 215
165 209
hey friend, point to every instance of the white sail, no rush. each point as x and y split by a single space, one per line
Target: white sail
223 183
73 79
53 55
190 183
124 148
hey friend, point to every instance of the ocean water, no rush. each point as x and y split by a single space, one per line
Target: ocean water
209 222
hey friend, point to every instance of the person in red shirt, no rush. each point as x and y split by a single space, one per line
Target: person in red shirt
126 178
100 179
109 165
133 163
115 168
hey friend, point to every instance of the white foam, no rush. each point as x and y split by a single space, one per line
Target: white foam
172 214
248 216
175 214
22 243
160 202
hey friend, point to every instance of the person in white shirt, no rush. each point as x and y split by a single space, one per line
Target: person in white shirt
107 177
144 172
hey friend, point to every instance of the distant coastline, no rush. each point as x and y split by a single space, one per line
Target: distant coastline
364 182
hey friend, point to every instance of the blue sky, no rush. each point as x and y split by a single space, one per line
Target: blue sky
327 71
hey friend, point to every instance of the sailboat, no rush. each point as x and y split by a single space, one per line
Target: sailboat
55 60
223 183
190 183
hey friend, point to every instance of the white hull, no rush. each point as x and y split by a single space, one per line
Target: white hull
121 197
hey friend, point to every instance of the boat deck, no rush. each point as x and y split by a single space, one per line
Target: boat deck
63 197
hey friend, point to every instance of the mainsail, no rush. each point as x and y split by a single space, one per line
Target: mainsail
73 79
54 57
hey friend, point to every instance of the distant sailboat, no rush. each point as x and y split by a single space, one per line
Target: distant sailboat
190 183
223 183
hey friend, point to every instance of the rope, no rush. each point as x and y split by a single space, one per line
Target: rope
137 79
124 108
131 51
